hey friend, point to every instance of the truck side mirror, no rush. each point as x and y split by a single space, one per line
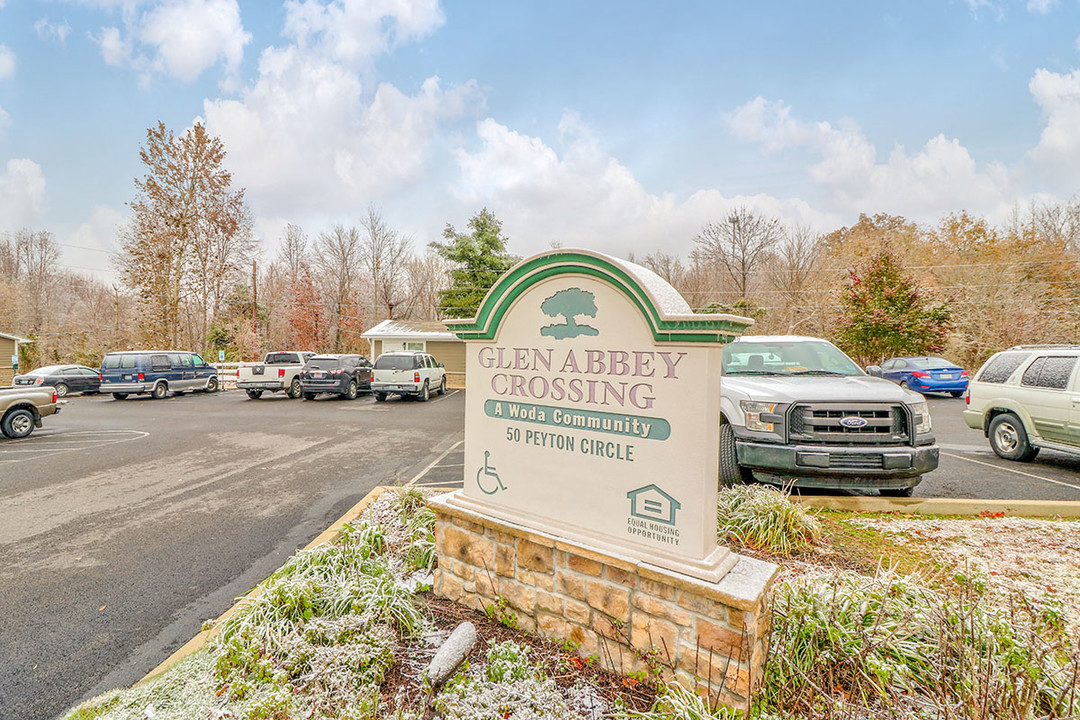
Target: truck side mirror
874 370
441 365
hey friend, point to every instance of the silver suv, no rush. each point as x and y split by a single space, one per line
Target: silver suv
1026 398
414 374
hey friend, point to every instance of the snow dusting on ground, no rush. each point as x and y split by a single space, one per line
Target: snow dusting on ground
1031 556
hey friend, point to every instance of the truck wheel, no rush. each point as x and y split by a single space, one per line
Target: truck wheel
380 397
119 396
18 423
442 386
897 492
350 393
212 384
160 391
424 394
294 388
1009 439
728 473
254 394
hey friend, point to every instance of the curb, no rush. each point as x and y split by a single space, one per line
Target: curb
943 506
330 534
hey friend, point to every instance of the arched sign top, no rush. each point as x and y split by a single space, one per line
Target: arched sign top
667 314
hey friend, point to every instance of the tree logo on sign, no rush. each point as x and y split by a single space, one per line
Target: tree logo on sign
569 303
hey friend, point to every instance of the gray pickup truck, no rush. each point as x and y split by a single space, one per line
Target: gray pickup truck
21 409
797 411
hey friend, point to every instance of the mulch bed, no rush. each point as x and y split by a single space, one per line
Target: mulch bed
403 682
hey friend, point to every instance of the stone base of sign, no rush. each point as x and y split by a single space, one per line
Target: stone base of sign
630 615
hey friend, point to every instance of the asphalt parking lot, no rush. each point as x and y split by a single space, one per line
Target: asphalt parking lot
125 525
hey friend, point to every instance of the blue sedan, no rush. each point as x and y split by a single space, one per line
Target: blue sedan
924 374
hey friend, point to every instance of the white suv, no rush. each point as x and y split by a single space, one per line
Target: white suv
1026 398
407 373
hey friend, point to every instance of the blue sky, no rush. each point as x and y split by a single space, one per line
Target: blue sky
618 126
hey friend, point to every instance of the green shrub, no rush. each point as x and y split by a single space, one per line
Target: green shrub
763 518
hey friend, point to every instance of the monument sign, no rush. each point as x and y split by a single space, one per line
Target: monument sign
593 410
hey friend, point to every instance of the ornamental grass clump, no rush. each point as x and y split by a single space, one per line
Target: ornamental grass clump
762 518
848 645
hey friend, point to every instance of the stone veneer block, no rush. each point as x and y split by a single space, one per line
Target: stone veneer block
709 636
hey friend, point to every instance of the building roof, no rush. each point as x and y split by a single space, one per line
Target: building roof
16 338
410 330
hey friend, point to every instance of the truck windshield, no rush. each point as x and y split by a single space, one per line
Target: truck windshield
778 357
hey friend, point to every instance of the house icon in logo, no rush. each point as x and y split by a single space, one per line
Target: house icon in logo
652 503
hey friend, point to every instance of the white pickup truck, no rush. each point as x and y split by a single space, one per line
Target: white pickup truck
798 411
278 371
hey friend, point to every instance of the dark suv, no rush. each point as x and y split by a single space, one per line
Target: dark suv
344 375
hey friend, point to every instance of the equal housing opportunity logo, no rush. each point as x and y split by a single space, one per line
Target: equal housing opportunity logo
652 515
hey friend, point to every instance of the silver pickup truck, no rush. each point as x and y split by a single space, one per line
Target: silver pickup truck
798 411
278 371
21 409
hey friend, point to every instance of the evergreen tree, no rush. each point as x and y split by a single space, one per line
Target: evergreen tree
478 257
886 313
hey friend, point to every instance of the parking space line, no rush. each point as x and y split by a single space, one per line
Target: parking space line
433 463
1018 472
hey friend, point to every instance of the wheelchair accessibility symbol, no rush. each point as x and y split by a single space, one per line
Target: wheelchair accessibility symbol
484 475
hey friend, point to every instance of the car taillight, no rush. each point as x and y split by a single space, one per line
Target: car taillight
337 372
237 372
281 372
920 374
39 380
967 398
142 376
416 377
963 373
54 397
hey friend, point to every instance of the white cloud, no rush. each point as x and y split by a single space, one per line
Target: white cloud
333 141
47 30
1058 152
93 242
178 38
580 196
7 62
1041 6
22 193
351 32
940 177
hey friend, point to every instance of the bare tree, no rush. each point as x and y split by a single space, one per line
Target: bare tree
386 255
789 271
339 259
740 244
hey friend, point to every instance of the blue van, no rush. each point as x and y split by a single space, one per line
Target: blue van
157 372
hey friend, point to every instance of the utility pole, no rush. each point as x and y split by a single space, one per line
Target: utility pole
254 304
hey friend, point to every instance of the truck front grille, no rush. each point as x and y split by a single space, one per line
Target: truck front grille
857 461
820 424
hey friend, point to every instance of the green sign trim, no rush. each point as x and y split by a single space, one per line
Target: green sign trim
637 426
520 278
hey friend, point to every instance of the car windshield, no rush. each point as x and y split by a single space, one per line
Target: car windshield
929 362
396 362
786 357
323 363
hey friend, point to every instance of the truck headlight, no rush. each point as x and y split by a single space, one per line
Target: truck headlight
922 417
753 411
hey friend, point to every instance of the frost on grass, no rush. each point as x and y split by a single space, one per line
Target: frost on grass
1028 557
508 685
